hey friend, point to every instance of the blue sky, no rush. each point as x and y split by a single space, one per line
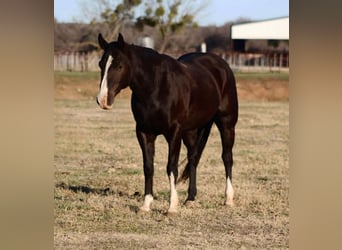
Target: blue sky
217 12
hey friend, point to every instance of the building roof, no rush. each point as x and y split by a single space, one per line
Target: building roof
274 29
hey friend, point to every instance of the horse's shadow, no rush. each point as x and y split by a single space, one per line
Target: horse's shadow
108 192
84 189
99 191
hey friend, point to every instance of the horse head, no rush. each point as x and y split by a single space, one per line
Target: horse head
115 70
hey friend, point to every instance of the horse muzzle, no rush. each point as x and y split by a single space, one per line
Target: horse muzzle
102 102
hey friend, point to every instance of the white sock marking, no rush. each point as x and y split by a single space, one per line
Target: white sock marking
102 95
173 195
147 203
229 193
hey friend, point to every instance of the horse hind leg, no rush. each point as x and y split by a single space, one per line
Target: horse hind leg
195 141
227 132
189 172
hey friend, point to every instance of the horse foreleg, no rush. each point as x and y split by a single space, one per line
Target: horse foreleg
174 141
146 142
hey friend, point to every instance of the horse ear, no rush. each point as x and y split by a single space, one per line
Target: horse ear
121 40
102 42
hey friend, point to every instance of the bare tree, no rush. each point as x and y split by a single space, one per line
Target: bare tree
111 13
169 17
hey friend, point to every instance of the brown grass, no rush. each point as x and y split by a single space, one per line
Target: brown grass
99 183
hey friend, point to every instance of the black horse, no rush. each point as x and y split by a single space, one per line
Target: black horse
179 99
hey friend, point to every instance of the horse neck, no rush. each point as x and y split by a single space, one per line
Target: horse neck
142 77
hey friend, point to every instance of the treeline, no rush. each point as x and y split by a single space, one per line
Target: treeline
83 37
169 24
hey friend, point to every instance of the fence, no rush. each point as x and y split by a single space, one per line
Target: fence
88 61
76 61
258 62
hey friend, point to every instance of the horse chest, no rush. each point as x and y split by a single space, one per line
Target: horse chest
151 117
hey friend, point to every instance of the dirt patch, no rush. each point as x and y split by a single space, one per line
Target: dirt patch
268 90
68 88
71 88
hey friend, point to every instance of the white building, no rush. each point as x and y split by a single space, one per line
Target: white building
260 45
271 31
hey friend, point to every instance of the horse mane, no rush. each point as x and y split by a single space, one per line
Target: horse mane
151 52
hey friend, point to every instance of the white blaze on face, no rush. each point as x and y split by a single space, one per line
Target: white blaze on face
173 196
103 93
229 193
147 203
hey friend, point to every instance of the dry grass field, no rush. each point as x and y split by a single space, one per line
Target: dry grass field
99 183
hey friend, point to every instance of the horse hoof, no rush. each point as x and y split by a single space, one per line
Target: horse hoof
229 203
189 204
143 210
171 214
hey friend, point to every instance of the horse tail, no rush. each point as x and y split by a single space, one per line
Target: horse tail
185 175
201 141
